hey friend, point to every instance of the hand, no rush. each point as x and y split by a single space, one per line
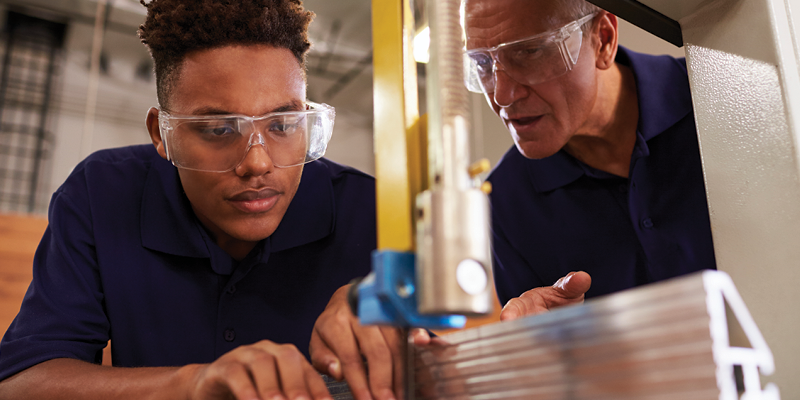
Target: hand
261 371
339 341
569 289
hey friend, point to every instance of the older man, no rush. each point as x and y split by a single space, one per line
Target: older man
606 175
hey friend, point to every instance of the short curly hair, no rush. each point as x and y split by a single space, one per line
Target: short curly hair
175 28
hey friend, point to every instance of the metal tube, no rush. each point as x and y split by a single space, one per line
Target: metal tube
454 257
448 100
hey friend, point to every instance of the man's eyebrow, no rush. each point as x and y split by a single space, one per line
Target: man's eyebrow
210 111
294 105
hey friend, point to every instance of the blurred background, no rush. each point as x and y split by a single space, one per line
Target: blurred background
70 85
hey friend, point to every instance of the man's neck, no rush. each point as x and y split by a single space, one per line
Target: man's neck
606 141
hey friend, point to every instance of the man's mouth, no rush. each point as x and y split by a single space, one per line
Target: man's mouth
255 201
523 122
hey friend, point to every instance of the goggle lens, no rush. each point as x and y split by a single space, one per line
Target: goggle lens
220 144
528 61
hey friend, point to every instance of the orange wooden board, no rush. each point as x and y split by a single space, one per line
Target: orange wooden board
19 237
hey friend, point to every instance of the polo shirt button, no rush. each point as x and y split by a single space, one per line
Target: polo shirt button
232 289
229 335
647 223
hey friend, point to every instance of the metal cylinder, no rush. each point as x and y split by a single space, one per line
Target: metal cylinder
448 99
454 274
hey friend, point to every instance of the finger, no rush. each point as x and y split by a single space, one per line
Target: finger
323 359
291 369
342 341
379 361
265 374
420 337
316 386
396 340
575 284
514 309
238 381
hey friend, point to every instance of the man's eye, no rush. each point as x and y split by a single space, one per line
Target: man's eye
528 53
283 127
483 64
217 129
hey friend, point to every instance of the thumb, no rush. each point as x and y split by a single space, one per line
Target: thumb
574 285
420 337
324 360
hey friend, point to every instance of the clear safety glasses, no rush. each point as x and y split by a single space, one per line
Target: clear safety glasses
528 61
219 143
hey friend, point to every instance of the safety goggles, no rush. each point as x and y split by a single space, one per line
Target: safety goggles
529 61
219 143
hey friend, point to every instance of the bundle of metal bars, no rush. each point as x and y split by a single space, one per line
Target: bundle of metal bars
668 340
662 341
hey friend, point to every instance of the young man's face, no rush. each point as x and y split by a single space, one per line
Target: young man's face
543 117
242 206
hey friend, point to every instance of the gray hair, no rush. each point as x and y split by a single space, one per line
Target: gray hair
569 10
572 10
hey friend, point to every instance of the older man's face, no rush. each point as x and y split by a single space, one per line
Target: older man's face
543 117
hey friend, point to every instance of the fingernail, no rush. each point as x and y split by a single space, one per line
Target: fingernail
335 369
301 397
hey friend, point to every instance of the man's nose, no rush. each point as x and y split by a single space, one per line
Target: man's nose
506 89
257 160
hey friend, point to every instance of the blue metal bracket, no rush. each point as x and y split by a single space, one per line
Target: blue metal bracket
387 296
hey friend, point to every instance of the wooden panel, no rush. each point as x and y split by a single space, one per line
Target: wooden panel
19 237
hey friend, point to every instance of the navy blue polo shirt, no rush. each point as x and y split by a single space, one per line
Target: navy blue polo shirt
557 214
125 258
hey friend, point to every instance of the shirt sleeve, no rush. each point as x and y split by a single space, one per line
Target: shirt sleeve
62 314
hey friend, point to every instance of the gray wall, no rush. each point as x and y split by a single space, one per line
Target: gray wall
124 98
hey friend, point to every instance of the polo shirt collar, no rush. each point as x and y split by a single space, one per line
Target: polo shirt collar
169 225
311 215
553 172
660 107
662 87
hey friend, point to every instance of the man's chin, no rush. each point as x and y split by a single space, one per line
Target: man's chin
253 231
534 150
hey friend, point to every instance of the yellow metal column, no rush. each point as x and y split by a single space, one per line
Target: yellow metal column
399 154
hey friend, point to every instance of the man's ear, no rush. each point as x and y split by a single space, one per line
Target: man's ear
155 132
605 33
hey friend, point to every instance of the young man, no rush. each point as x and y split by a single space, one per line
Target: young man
207 257
606 175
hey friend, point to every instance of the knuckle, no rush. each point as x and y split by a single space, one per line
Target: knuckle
263 357
342 316
380 354
289 352
350 359
227 369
